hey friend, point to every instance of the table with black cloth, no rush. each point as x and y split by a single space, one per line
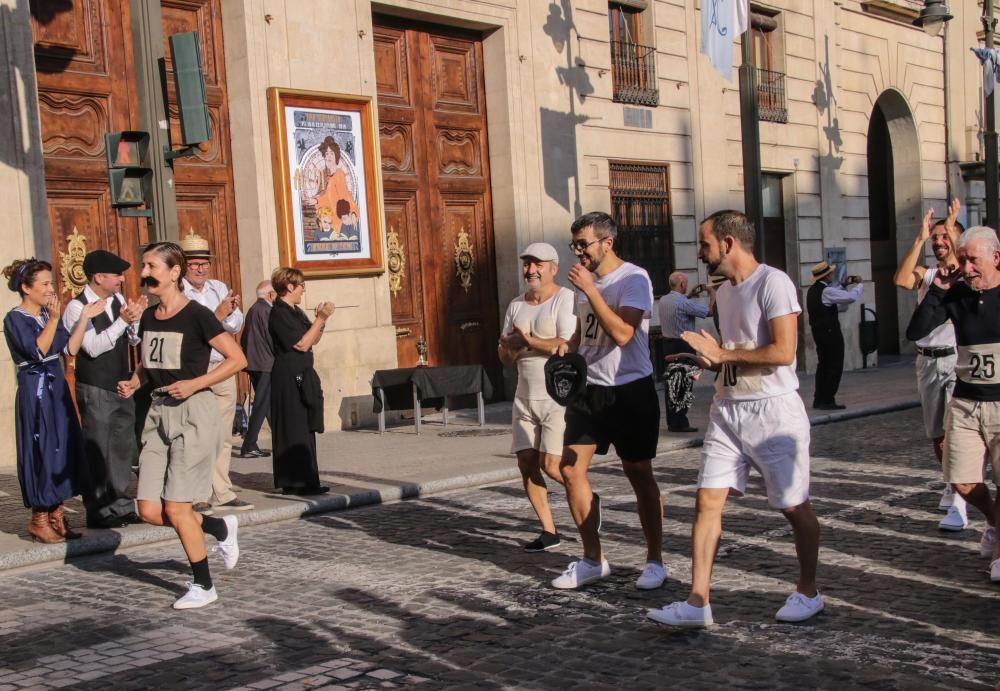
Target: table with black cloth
409 387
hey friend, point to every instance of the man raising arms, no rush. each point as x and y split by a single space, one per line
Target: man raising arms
936 351
757 417
620 405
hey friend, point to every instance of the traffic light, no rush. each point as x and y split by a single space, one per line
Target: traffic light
129 172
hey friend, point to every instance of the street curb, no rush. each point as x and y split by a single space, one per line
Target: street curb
136 536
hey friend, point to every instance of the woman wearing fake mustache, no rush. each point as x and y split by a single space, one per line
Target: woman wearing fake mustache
180 439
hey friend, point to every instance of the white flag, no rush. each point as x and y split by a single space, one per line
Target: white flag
721 21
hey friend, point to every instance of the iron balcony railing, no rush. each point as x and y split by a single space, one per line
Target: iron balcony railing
633 72
771 103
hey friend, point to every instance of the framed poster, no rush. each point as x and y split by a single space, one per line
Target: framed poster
325 162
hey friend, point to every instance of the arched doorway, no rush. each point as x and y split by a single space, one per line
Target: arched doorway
893 205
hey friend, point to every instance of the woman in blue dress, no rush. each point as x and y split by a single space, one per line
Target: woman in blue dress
50 463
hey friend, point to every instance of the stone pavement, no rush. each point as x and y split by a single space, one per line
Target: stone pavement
363 467
436 593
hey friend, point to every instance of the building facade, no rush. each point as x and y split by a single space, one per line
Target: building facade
499 122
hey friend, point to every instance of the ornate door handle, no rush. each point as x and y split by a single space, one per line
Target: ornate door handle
402 332
468 325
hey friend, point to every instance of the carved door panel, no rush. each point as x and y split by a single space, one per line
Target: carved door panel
83 56
435 173
206 201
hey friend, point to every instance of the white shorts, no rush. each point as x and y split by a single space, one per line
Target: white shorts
935 381
538 424
772 434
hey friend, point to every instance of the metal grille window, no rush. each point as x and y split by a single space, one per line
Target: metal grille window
640 205
633 65
767 57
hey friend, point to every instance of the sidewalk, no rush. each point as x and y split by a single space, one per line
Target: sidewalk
362 467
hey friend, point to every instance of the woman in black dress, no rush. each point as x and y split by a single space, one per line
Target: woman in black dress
296 396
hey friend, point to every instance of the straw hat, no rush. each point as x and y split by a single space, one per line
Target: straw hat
822 270
195 245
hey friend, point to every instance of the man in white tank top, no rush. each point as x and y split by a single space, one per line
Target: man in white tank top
936 352
757 417
536 324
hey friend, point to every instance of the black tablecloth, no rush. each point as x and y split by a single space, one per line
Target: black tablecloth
431 382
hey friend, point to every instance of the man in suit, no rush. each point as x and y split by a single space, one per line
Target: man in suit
256 342
107 419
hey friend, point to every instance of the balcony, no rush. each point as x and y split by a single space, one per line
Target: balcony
771 103
633 73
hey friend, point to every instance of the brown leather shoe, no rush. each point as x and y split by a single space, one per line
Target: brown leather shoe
60 524
41 529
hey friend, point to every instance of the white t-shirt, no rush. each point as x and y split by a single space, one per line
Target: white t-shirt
607 364
551 319
744 312
943 335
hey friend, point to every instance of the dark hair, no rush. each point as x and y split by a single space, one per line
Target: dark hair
328 144
21 272
343 207
285 277
604 226
735 224
172 255
958 224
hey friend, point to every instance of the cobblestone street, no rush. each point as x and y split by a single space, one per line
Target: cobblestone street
437 592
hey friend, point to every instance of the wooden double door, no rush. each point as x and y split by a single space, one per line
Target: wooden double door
86 65
436 184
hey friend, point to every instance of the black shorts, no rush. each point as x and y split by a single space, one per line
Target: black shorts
627 416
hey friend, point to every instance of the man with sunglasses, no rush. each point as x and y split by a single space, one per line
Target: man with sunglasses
225 303
613 305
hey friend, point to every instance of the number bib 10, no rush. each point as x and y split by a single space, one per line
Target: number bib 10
979 364
735 381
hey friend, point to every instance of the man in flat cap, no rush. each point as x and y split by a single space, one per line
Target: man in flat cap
822 300
108 420
216 296
536 324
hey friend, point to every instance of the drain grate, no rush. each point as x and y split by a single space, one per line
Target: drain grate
475 433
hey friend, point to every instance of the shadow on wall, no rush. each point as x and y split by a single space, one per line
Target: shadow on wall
559 127
826 102
22 148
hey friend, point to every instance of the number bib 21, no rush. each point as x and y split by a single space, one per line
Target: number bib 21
979 364
161 349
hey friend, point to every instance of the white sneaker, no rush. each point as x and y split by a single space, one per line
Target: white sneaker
946 498
799 607
652 576
955 519
995 571
682 614
230 548
196 596
988 542
581 573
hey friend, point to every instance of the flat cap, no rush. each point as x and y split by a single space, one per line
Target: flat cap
542 251
103 262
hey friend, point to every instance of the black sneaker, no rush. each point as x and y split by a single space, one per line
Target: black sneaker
543 542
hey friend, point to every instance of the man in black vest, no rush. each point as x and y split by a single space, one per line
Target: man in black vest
822 300
108 420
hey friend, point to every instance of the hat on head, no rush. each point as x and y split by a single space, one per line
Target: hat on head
195 245
565 377
103 262
716 280
542 251
822 270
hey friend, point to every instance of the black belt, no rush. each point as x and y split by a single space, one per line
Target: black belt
935 352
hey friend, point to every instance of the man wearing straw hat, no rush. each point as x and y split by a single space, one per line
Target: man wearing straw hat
822 300
216 296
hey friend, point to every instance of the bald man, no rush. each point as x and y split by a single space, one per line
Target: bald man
256 342
677 314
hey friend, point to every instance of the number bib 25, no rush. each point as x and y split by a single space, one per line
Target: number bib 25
161 349
979 364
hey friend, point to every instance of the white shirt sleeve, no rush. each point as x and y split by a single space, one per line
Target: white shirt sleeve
565 319
94 344
779 297
234 322
835 295
637 292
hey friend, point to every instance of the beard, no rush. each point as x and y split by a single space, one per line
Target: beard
148 282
